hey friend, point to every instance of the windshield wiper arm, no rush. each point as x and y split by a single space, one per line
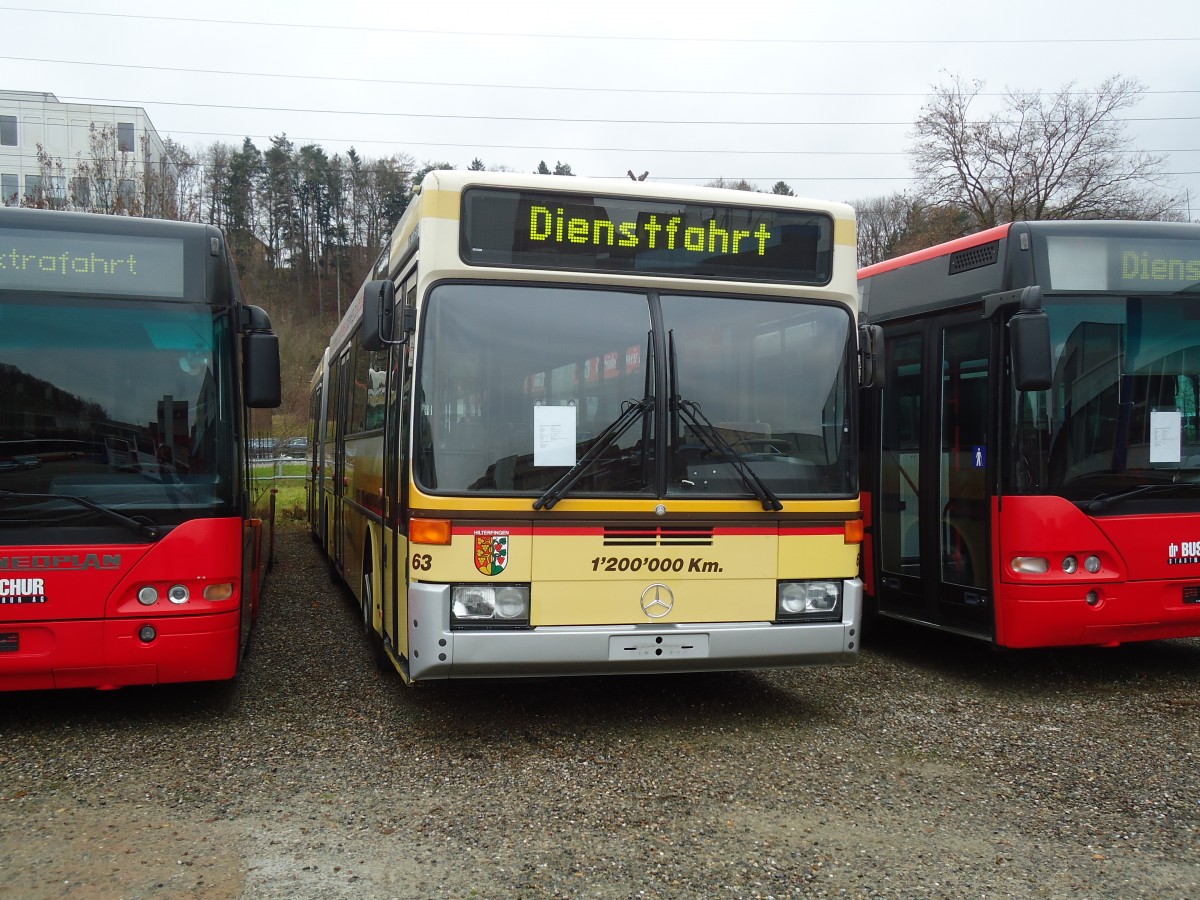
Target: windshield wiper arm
631 411
1106 501
708 433
141 525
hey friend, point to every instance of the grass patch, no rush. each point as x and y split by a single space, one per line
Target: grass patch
287 477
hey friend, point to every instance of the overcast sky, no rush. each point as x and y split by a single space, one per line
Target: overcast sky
820 95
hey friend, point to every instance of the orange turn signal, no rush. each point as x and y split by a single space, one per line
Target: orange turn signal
429 531
854 531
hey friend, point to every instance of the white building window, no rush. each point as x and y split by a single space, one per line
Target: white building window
56 190
128 191
82 188
8 131
125 137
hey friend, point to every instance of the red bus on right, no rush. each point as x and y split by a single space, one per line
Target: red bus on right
1031 467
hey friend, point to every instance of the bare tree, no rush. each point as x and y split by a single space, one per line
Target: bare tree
108 181
51 190
1060 157
882 222
186 186
215 166
740 185
903 222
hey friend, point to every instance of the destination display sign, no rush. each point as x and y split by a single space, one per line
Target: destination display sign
559 230
81 263
1134 264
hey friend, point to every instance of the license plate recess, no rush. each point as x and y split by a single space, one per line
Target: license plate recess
658 646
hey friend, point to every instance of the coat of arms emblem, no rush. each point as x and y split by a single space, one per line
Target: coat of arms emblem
491 551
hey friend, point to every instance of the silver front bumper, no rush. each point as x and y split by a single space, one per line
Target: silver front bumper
436 652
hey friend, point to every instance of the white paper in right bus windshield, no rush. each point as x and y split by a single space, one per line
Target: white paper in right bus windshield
1165 436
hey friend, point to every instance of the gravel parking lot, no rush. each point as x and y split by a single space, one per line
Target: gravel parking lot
932 768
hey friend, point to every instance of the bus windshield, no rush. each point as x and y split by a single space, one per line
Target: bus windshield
1124 406
121 403
517 383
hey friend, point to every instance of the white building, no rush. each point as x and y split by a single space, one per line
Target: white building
102 158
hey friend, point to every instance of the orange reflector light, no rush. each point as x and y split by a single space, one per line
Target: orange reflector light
854 531
218 592
429 531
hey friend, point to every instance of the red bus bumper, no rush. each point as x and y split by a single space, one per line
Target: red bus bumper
111 654
1048 616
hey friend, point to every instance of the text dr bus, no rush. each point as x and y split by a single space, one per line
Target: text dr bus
581 426
128 363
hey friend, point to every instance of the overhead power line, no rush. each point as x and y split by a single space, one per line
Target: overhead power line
393 114
518 87
376 28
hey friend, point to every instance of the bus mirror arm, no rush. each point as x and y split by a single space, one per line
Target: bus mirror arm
254 318
1027 299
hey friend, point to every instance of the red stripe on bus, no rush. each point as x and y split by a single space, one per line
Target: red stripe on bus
974 240
650 532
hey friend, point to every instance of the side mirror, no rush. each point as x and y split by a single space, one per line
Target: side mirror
379 310
260 360
1029 342
870 356
1029 345
1028 336
260 370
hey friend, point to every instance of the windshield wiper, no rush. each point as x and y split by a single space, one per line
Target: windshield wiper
631 411
142 525
705 429
691 412
1107 501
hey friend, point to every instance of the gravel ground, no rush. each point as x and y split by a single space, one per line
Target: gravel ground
932 768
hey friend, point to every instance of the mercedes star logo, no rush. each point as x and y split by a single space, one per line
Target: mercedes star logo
657 600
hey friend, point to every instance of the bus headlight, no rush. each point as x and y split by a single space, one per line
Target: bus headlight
809 601
489 605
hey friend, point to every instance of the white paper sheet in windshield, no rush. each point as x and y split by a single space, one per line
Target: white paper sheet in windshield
554 436
1165 444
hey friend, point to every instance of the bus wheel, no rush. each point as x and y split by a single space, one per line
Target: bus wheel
374 642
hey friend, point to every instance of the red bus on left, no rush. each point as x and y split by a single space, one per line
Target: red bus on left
130 552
